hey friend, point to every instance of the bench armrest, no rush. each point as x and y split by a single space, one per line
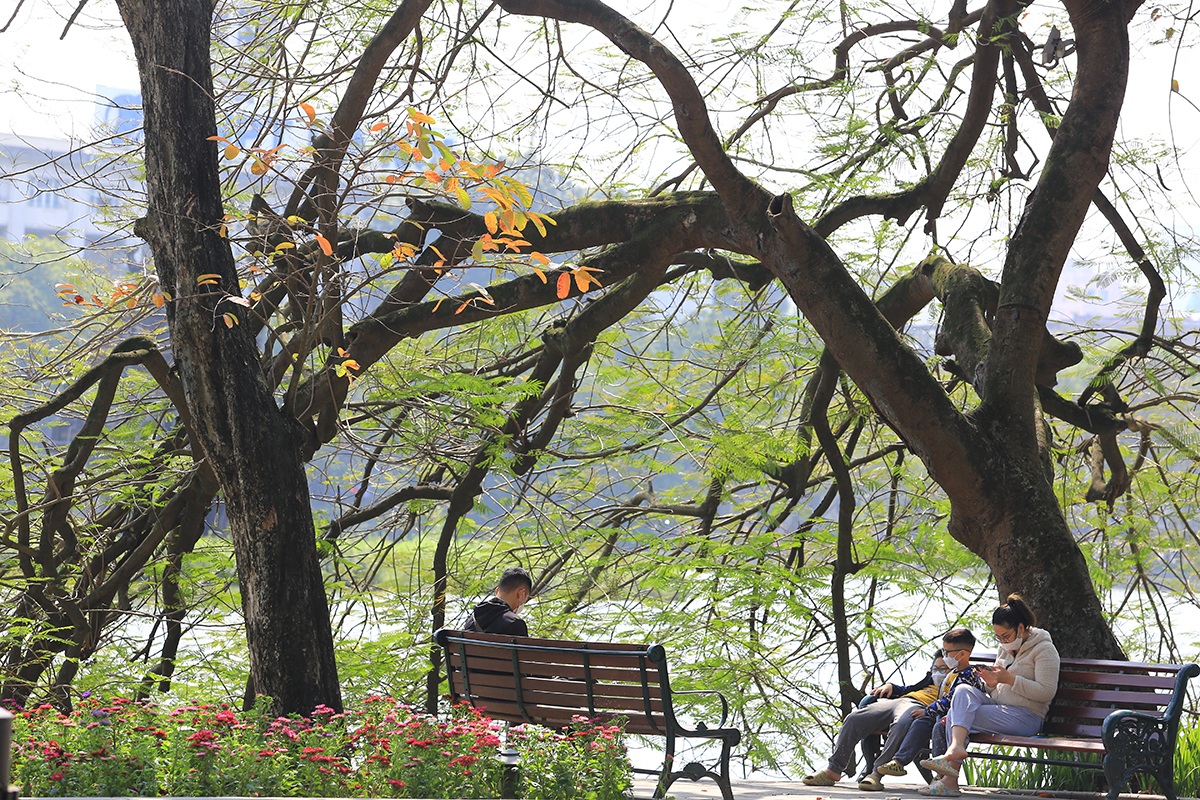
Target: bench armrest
1125 732
724 704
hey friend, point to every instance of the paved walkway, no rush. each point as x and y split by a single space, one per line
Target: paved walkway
894 789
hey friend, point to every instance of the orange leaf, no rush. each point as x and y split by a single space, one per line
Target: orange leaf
540 274
459 310
326 247
581 280
309 112
438 305
432 176
216 139
538 257
489 219
378 126
563 286
158 299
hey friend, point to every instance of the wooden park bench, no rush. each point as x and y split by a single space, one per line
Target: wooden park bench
1125 711
553 683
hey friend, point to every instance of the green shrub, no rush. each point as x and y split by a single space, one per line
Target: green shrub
380 749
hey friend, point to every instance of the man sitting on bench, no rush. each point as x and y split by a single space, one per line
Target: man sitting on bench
498 614
897 708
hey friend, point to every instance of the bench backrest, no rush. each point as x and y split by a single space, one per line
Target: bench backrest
1089 690
553 682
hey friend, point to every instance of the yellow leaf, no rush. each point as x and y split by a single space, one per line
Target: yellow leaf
284 246
326 247
259 167
420 118
540 274
309 112
477 250
537 222
208 278
131 303
230 319
563 287
464 199
489 219
1174 84
232 151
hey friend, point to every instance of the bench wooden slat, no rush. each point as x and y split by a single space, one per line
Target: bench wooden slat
565 693
1079 745
479 680
561 718
543 670
627 706
595 658
1116 699
1133 680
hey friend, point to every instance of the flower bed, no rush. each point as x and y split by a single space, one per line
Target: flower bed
382 748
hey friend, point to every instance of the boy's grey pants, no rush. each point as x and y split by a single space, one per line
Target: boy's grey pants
893 715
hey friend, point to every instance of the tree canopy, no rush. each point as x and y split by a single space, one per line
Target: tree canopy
739 341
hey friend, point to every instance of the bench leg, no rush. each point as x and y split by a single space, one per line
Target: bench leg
665 778
695 771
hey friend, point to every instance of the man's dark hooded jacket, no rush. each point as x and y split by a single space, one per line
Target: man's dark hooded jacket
494 616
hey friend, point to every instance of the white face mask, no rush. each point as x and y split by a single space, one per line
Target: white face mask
939 675
1014 645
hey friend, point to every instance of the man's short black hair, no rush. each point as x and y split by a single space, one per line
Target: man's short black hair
961 636
514 577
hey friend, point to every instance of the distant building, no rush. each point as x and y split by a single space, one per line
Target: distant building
51 189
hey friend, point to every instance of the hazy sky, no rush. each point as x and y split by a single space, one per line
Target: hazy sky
47 85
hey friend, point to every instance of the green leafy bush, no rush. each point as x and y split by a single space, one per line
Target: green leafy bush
382 748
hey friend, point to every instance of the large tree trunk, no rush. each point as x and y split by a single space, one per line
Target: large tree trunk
254 450
1020 532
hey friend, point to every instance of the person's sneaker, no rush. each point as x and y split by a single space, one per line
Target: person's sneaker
893 767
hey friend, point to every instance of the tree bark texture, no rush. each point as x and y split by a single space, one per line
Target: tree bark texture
990 463
253 448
